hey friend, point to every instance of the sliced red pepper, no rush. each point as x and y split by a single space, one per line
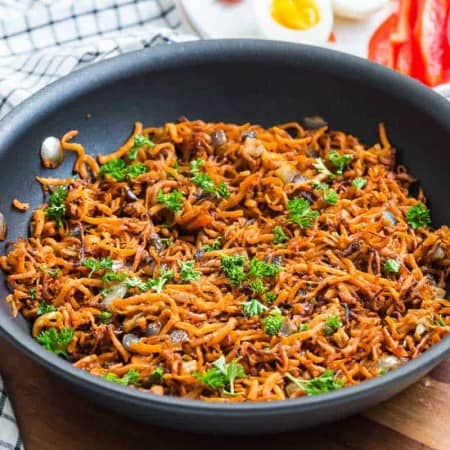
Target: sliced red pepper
429 37
447 42
405 58
404 49
405 22
380 48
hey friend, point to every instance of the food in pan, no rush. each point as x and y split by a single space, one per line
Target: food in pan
233 263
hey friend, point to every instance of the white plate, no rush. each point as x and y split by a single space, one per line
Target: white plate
215 20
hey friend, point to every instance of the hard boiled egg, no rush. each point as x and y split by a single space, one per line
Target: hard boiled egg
305 21
357 9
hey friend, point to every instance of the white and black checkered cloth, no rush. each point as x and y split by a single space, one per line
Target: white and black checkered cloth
42 40
9 434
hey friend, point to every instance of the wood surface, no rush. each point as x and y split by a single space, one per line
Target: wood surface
52 417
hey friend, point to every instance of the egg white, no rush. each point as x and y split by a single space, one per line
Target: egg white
271 29
357 9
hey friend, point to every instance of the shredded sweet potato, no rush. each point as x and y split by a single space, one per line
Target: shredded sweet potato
233 262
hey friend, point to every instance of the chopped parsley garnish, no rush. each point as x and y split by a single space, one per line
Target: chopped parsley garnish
52 272
204 181
105 316
115 168
45 308
233 268
222 190
303 327
339 161
136 169
332 324
391 266
329 194
56 341
320 186
56 209
131 377
157 284
214 246
279 236
109 277
32 292
253 308
318 385
173 200
418 216
139 141
272 323
221 374
300 212
322 168
157 375
135 282
359 183
271 296
187 271
166 241
260 269
257 286
439 321
95 265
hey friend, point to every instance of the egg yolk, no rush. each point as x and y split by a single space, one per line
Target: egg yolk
296 14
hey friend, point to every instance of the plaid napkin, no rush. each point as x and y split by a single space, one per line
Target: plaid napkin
42 40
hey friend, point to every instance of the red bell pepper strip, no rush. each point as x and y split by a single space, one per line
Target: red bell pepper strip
405 22
405 50
380 48
447 43
405 58
429 37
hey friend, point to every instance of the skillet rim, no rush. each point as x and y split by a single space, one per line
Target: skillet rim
340 65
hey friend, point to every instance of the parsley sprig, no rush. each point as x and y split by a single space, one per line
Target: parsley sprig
222 374
204 181
300 212
318 385
359 183
279 236
94 265
272 322
233 268
157 284
56 341
253 307
391 266
340 162
173 200
418 216
56 209
45 308
329 194
257 286
331 325
118 170
188 272
214 246
139 141
131 377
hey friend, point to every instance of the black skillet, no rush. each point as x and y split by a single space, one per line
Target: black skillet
236 81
